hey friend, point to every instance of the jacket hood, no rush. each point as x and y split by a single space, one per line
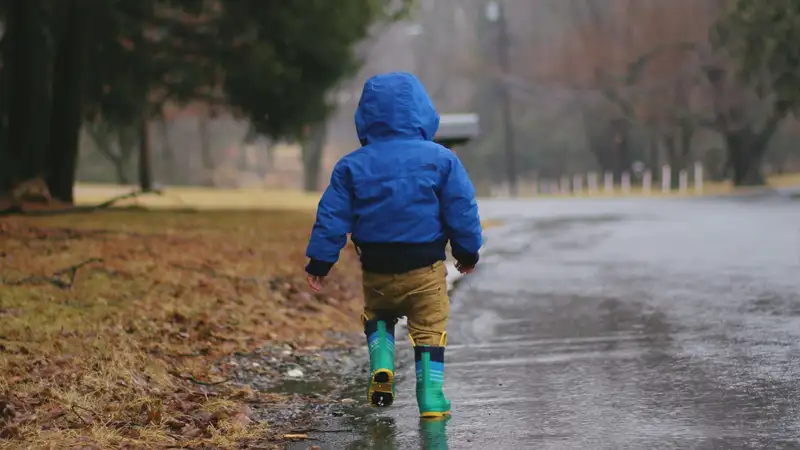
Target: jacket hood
395 106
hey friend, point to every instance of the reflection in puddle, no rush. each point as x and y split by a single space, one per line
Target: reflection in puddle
303 387
380 433
433 433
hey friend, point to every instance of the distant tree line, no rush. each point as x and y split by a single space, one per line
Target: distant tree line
662 82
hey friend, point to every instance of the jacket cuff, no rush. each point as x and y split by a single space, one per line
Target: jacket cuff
318 268
467 259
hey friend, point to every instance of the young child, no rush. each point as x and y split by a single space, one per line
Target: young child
401 197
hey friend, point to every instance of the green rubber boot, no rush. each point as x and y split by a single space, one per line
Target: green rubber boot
380 340
431 400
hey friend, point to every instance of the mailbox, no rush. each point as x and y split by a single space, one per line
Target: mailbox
456 129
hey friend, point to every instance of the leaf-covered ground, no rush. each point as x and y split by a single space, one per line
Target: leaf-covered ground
114 326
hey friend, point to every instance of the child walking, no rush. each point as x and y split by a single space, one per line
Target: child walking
401 197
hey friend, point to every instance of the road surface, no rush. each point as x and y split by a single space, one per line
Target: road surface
617 324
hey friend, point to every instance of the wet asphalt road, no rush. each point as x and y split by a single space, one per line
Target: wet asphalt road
624 324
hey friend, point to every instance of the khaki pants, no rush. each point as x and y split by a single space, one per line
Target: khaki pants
420 295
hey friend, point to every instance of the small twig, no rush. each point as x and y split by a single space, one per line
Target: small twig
73 409
37 280
223 338
73 271
18 210
54 279
319 430
110 202
188 355
194 380
208 383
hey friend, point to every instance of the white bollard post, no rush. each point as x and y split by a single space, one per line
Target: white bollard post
647 181
608 182
577 184
625 183
591 180
698 177
565 185
683 181
666 179
554 189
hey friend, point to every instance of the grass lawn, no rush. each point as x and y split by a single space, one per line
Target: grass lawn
209 198
201 198
113 324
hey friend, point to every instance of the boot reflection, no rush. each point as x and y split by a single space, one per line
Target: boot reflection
434 433
382 433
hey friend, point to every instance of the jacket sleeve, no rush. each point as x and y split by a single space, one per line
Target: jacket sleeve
334 221
460 212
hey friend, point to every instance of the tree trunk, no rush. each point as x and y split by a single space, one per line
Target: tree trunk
312 150
745 157
269 163
678 149
145 155
28 64
67 113
176 174
205 143
5 158
619 130
121 173
126 140
746 146
102 134
609 141
653 159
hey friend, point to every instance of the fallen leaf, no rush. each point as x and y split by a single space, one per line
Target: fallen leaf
203 417
7 410
244 409
241 420
53 414
219 415
191 431
9 432
153 415
175 424
187 407
245 393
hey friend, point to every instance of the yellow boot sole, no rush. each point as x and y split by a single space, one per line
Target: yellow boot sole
434 415
380 392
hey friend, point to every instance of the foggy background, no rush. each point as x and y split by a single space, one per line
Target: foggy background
591 86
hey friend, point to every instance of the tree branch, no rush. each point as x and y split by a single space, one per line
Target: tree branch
56 278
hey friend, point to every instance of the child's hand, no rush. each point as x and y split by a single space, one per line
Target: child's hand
316 283
466 270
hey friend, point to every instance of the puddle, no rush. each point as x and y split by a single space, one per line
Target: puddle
303 387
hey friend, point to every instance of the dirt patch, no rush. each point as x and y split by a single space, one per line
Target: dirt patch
119 329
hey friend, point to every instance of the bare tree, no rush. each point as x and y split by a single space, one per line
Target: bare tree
637 55
116 144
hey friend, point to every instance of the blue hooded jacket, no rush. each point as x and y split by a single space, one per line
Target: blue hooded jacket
400 196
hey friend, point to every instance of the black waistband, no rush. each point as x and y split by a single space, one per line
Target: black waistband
399 257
